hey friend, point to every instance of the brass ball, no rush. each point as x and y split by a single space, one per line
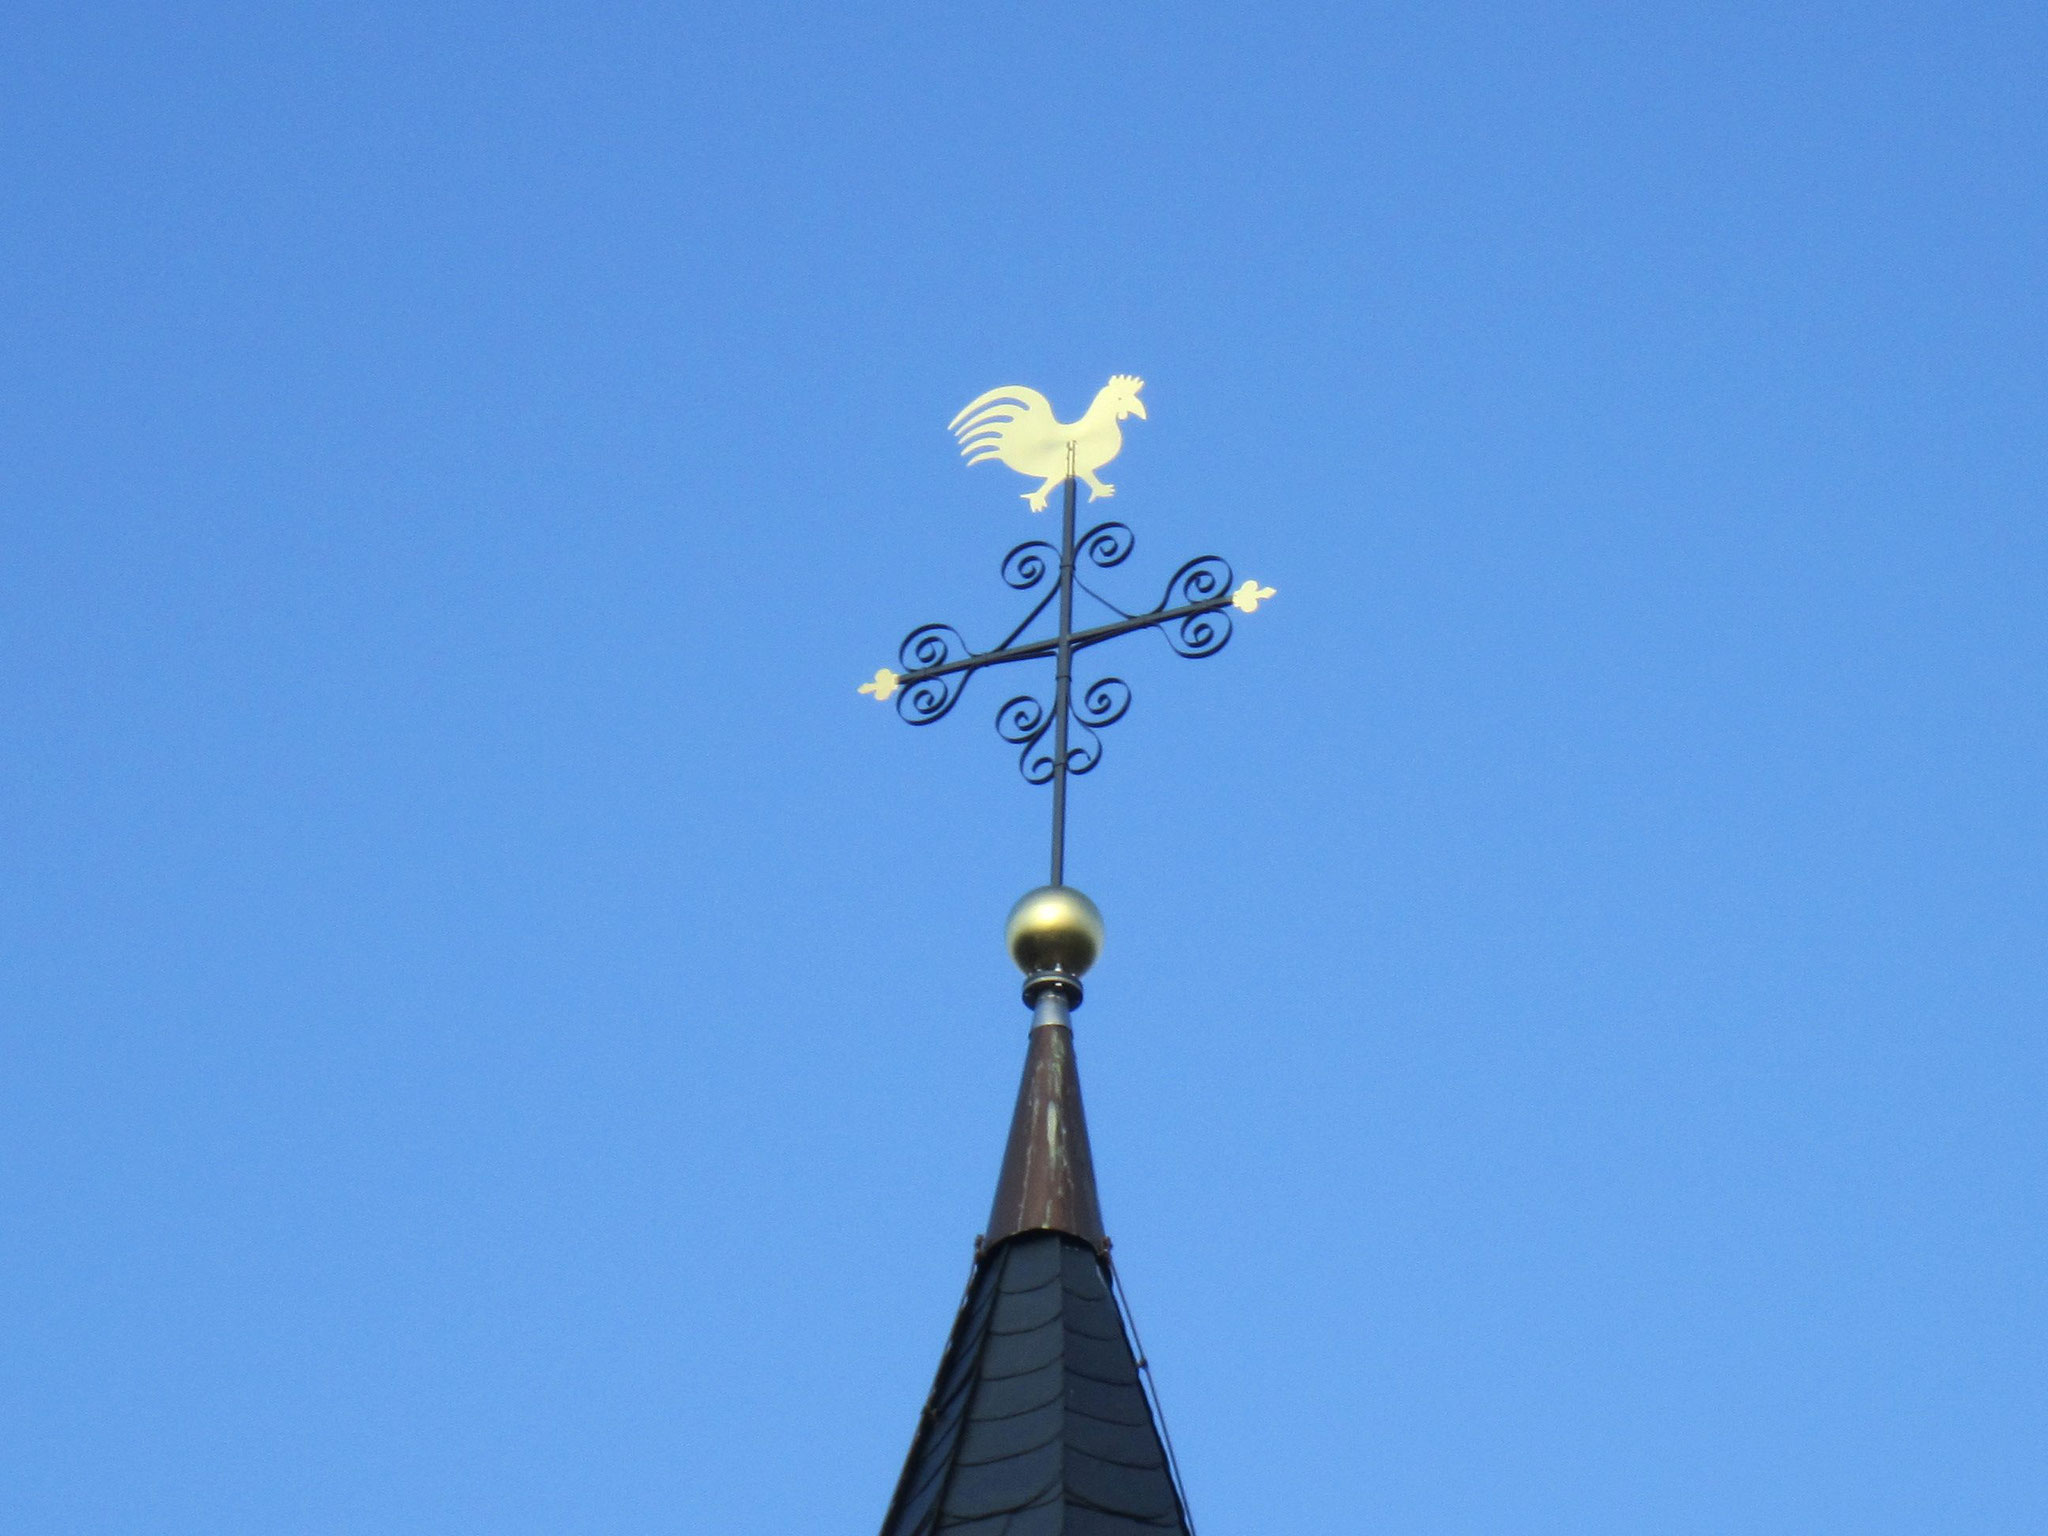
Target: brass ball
1054 928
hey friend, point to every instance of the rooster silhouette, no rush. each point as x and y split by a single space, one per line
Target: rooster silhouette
1016 426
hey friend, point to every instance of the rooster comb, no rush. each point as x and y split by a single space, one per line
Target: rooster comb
1126 383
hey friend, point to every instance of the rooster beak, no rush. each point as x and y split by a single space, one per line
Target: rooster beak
1138 406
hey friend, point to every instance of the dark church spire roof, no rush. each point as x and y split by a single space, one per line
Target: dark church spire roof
1038 1423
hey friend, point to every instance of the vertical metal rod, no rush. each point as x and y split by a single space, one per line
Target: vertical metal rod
1063 682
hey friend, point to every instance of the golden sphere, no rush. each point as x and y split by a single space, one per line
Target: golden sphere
1054 928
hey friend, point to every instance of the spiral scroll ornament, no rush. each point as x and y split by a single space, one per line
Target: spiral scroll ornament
1027 723
1030 563
1024 722
925 699
1103 703
1106 545
1203 633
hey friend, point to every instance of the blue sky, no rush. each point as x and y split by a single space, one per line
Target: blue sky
500 1036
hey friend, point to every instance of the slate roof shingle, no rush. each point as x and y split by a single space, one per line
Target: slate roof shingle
1037 1424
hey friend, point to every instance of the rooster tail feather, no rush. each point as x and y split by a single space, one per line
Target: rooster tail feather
1011 396
977 429
995 414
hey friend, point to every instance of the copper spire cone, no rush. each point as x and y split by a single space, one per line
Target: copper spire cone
1048 1178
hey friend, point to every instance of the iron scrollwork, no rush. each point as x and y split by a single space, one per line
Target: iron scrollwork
938 662
1030 563
1027 723
1207 631
931 698
1106 544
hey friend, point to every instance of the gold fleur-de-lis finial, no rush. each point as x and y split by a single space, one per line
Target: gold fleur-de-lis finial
1246 599
883 686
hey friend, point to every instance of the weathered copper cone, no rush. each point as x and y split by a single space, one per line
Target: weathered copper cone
1048 1178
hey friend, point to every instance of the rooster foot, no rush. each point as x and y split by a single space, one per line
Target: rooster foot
1036 499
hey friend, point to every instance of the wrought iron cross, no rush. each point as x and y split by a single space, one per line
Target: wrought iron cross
1017 427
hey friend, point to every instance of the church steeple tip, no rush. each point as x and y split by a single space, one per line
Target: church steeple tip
1038 1423
1048 1178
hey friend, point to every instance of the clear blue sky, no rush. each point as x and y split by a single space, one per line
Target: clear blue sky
500 1037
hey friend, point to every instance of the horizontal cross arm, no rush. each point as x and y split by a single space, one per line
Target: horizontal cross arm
1033 650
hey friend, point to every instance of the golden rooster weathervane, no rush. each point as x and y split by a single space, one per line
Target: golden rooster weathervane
1016 426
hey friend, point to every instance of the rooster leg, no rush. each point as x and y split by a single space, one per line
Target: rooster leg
1037 497
1095 487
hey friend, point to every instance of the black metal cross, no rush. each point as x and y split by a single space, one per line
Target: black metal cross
938 662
